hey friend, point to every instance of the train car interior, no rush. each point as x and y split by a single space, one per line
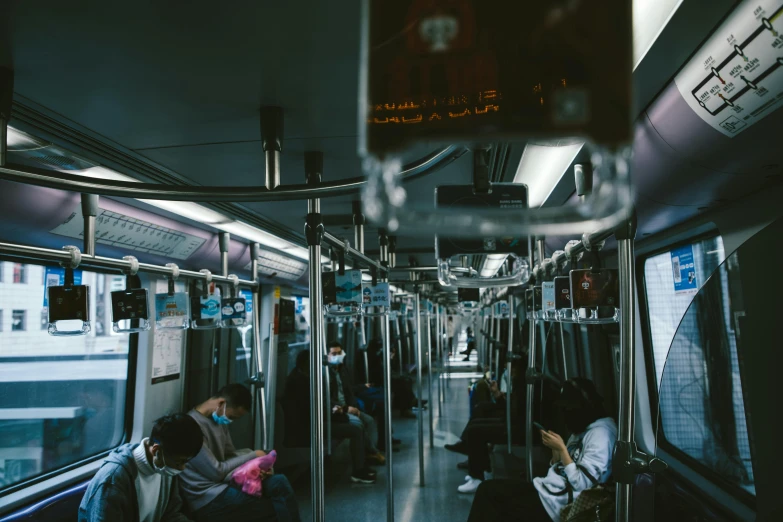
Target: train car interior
417 259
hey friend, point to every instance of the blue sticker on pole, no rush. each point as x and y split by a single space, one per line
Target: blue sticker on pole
55 276
684 270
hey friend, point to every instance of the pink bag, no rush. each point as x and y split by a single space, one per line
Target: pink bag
248 475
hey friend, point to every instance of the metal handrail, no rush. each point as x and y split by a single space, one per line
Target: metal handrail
129 189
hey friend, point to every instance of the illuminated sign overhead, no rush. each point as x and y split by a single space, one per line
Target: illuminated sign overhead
736 78
463 69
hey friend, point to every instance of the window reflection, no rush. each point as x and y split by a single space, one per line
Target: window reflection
62 399
702 406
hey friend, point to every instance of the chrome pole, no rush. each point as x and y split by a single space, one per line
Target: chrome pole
496 347
314 231
224 238
490 345
271 396
3 140
272 161
439 358
272 144
509 355
625 254
327 401
387 399
358 226
257 380
430 371
89 212
531 390
563 350
419 390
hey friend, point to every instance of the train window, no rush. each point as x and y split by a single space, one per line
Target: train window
697 365
668 297
62 399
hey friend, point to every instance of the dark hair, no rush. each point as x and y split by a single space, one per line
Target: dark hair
236 395
335 344
179 435
303 360
582 403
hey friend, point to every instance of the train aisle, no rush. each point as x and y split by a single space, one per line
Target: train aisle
438 499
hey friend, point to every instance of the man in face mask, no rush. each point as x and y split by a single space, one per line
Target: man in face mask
137 482
344 401
205 481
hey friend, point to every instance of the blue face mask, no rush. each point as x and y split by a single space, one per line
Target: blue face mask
221 419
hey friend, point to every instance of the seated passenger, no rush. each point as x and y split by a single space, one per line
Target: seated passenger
206 480
371 393
488 426
404 399
585 460
344 402
137 482
296 404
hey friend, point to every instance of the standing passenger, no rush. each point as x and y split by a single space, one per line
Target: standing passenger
137 482
206 480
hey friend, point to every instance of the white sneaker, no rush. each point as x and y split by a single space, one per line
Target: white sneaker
488 475
470 486
467 478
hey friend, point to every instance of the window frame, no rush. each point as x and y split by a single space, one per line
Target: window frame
130 395
652 383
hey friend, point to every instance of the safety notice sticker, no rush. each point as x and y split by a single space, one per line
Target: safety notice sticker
736 78
684 270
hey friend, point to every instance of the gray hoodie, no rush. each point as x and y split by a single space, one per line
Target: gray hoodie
111 495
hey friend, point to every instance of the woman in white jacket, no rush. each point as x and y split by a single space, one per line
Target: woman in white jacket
585 460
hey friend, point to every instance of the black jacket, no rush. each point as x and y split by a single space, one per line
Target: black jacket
345 378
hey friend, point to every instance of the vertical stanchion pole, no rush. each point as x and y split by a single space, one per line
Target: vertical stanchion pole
417 311
625 254
448 355
439 358
490 344
314 231
563 350
89 212
509 355
257 379
530 399
497 347
271 373
430 371
387 394
6 99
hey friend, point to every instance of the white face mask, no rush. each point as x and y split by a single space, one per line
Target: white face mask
336 359
164 470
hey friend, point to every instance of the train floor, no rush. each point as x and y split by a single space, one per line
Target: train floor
436 498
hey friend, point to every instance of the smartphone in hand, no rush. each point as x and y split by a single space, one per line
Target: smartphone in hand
539 426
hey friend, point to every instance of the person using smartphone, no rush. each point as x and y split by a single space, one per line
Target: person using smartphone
576 465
